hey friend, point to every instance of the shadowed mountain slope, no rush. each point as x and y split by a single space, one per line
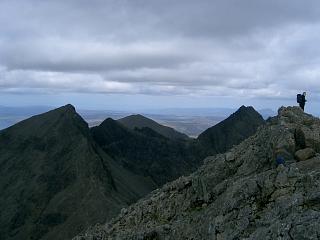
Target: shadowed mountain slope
139 121
242 194
55 181
57 176
144 151
231 131
148 153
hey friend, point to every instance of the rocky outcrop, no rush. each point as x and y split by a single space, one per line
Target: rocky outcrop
242 194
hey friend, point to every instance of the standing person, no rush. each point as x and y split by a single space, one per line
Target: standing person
301 99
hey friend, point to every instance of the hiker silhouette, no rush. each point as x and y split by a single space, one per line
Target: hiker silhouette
301 99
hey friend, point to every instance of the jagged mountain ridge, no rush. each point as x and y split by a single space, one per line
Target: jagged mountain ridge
140 121
53 177
52 160
148 153
241 194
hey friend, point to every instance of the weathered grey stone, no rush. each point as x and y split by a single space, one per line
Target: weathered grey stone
305 154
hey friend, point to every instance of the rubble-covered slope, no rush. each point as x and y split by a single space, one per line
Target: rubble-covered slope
241 194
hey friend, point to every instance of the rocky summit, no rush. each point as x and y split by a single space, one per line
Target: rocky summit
246 193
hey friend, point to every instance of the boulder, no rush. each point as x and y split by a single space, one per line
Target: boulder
305 154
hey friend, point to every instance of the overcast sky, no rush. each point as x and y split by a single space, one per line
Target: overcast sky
122 54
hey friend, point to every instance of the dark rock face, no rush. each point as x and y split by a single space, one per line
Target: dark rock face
242 194
139 121
145 152
230 132
55 181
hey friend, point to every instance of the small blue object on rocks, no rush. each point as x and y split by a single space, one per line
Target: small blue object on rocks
280 160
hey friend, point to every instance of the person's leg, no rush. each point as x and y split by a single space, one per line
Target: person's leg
301 106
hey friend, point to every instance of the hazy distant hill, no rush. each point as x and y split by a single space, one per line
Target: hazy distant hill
231 131
55 181
139 121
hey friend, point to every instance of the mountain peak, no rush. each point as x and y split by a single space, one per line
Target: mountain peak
49 162
234 129
68 107
246 108
140 121
64 119
63 110
108 121
138 116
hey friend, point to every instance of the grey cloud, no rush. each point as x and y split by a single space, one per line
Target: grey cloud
74 57
221 19
225 48
152 18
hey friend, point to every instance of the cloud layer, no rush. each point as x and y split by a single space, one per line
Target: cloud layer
256 49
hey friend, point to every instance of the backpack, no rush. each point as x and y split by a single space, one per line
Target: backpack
299 98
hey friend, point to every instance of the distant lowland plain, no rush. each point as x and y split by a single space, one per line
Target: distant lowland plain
190 121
